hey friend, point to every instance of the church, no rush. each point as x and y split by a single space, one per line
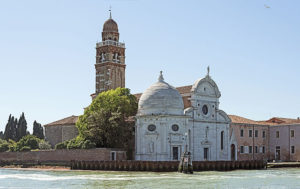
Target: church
168 122
164 129
172 120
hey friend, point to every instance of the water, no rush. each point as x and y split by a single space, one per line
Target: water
271 178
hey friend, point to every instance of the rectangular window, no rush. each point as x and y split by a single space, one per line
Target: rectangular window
277 134
113 156
222 140
263 149
250 149
250 133
242 150
264 134
246 149
293 149
242 132
292 133
256 149
256 133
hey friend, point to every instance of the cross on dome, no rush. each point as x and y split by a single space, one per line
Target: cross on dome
161 77
208 69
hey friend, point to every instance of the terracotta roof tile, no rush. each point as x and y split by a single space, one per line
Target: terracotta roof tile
281 120
239 119
66 121
181 90
184 89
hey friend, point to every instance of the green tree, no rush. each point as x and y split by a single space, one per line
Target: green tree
11 129
38 130
105 123
1 135
21 127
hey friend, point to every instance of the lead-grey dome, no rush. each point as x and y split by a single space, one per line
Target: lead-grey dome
161 98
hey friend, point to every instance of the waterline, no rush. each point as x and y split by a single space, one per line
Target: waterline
271 178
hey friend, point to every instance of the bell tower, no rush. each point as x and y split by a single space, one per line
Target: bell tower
110 59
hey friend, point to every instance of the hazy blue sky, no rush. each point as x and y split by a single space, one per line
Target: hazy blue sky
48 52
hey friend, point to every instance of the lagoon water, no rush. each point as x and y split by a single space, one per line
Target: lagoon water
271 178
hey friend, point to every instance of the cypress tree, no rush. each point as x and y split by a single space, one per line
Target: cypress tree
11 129
7 131
14 129
38 130
21 127
1 135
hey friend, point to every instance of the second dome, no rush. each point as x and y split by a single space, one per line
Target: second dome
161 99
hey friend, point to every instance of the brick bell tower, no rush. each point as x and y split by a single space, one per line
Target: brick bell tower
110 59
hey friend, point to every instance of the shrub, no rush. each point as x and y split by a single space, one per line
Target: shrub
88 144
25 149
29 141
62 145
4 147
44 145
12 145
76 143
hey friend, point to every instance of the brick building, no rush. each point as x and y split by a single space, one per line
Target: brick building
252 138
110 74
61 130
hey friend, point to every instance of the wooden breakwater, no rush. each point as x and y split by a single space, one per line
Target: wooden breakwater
166 166
32 163
283 164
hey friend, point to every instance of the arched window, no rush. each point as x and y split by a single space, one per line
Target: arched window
205 109
222 140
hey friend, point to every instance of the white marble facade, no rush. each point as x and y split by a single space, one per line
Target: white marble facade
164 129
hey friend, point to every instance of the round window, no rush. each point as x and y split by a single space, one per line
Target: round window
175 127
205 109
151 127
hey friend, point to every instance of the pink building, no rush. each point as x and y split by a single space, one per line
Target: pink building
251 138
285 142
275 139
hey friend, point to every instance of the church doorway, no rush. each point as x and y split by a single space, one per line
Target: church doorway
175 153
205 153
232 152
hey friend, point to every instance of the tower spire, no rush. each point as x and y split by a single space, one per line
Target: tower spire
109 12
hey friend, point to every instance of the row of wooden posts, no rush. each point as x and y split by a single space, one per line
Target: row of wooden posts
157 166
165 166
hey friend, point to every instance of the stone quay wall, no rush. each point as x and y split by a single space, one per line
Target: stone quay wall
166 166
60 157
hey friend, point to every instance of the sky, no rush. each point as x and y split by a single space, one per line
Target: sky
47 52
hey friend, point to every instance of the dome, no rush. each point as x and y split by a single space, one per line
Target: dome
110 26
161 98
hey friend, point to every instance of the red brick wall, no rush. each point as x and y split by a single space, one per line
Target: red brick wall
97 154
